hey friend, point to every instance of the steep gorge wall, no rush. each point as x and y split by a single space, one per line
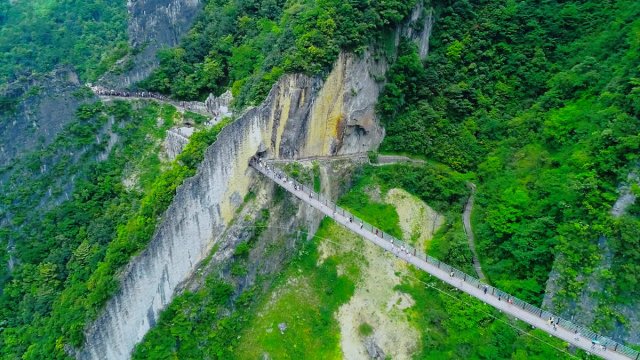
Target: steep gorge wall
202 209
46 106
301 117
153 24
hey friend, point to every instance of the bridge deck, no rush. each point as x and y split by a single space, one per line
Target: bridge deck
466 283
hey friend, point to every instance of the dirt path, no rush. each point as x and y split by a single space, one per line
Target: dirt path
395 159
181 106
466 220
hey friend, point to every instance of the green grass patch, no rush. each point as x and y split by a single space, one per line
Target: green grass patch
316 177
365 329
304 300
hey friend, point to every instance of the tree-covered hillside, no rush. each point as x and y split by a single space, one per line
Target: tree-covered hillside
67 254
541 100
537 102
247 45
38 35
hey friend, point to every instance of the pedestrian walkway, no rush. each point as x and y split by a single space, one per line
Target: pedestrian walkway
578 336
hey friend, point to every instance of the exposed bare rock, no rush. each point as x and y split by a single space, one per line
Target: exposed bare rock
627 197
176 140
153 24
219 106
373 350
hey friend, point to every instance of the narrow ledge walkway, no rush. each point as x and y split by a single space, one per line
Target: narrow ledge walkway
500 300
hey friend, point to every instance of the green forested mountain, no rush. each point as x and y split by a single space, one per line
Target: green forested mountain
38 35
68 257
248 45
541 101
537 102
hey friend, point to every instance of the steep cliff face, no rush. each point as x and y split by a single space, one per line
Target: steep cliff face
45 107
301 117
153 24
177 138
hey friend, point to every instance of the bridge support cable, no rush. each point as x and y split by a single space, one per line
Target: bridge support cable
580 337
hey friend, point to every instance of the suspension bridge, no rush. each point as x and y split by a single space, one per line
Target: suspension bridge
578 336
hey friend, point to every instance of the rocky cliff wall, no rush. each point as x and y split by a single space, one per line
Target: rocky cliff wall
301 117
41 115
176 140
46 105
153 24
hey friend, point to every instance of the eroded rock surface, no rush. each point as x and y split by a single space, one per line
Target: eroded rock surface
153 24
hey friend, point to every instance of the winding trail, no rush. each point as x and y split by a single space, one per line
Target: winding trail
578 336
397 159
466 220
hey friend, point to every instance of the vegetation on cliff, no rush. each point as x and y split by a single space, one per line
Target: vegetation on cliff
248 45
542 102
68 254
537 102
309 296
38 35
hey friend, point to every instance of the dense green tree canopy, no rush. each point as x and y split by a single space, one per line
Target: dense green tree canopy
38 35
247 45
539 100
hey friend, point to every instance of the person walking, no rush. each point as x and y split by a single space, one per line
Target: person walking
485 289
576 336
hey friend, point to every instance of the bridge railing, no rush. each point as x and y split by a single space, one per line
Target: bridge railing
610 344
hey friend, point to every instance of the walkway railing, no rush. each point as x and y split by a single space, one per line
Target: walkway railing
286 181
